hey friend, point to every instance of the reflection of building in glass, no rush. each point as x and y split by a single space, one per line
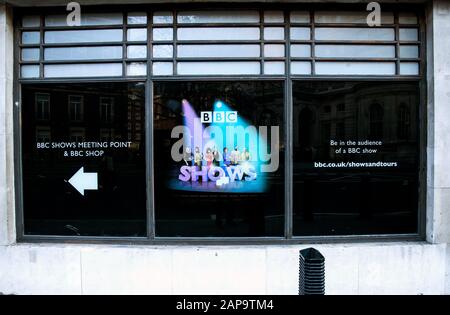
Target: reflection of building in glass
135 114
106 134
77 134
376 115
86 113
404 122
43 134
348 111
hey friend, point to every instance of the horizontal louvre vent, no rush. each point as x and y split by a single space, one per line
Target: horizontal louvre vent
220 42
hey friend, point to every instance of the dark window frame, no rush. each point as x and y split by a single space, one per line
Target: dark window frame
288 79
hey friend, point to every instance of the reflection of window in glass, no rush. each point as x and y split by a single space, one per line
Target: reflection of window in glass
137 137
76 107
43 134
341 107
340 130
42 105
77 134
326 132
106 108
327 109
404 122
106 135
268 118
138 116
376 114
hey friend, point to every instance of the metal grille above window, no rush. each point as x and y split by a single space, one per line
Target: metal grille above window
219 43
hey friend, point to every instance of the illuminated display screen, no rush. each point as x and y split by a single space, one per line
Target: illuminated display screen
215 143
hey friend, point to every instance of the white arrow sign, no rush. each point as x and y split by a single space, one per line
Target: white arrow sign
84 181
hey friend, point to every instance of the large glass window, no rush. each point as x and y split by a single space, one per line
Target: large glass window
84 168
355 158
232 95
219 159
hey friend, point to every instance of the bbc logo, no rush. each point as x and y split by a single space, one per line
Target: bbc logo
219 117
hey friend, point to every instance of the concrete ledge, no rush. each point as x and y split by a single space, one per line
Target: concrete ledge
398 268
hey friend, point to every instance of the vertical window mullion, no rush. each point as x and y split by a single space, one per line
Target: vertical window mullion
149 44
149 130
175 40
149 160
288 133
397 42
124 45
261 32
41 46
313 42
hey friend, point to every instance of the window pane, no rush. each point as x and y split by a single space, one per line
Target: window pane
355 68
363 159
301 50
31 38
29 71
218 17
139 51
409 68
274 67
137 69
162 68
31 21
83 53
250 202
369 34
83 70
30 54
162 51
137 18
90 181
409 34
162 18
357 17
87 19
273 17
162 34
219 33
218 68
355 51
137 34
409 51
199 51
299 68
83 36
408 18
300 17
273 50
273 33
300 33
